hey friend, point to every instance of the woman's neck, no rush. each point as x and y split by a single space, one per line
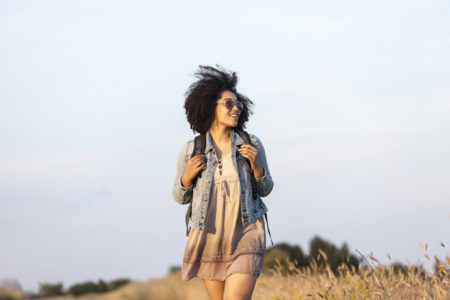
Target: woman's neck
221 135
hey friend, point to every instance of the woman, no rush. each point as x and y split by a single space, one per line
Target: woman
226 241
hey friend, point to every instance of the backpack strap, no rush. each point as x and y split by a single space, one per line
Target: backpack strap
199 148
268 230
246 137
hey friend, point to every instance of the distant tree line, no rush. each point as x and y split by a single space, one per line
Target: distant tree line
56 289
321 253
318 248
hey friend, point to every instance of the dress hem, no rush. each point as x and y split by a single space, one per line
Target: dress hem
224 260
186 276
219 279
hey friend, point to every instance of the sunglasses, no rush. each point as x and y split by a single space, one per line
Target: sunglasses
231 103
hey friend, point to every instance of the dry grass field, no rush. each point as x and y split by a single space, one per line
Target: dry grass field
373 281
369 281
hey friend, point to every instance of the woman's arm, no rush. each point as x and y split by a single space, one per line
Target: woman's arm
181 194
264 184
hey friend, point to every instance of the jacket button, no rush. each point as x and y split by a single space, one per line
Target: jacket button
207 180
204 199
203 217
214 153
213 163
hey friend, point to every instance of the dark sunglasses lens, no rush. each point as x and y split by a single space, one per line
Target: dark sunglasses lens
230 104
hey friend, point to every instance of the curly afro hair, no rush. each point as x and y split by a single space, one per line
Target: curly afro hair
202 95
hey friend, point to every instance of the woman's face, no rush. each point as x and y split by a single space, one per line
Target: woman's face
224 115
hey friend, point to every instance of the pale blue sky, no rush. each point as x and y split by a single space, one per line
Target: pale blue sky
352 105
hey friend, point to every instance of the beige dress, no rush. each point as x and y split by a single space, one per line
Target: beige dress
225 246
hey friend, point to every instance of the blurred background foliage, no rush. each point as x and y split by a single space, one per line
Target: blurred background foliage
318 248
56 289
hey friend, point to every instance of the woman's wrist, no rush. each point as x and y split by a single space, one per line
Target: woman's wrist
258 170
185 183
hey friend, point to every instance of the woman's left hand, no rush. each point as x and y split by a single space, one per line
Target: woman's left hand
251 153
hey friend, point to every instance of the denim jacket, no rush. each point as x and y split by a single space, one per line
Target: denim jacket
251 209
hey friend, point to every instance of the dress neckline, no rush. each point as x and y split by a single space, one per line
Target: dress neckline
229 153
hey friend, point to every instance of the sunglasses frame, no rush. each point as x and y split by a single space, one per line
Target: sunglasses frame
234 103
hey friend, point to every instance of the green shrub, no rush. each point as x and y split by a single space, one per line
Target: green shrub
50 290
334 256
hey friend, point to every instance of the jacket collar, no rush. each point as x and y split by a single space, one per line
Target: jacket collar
235 140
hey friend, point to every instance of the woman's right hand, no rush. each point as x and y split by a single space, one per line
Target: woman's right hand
193 166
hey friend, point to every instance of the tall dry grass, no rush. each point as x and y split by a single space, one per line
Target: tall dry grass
370 280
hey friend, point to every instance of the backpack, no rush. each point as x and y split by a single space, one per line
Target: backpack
199 148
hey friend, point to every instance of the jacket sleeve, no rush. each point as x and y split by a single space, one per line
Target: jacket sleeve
264 184
181 194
